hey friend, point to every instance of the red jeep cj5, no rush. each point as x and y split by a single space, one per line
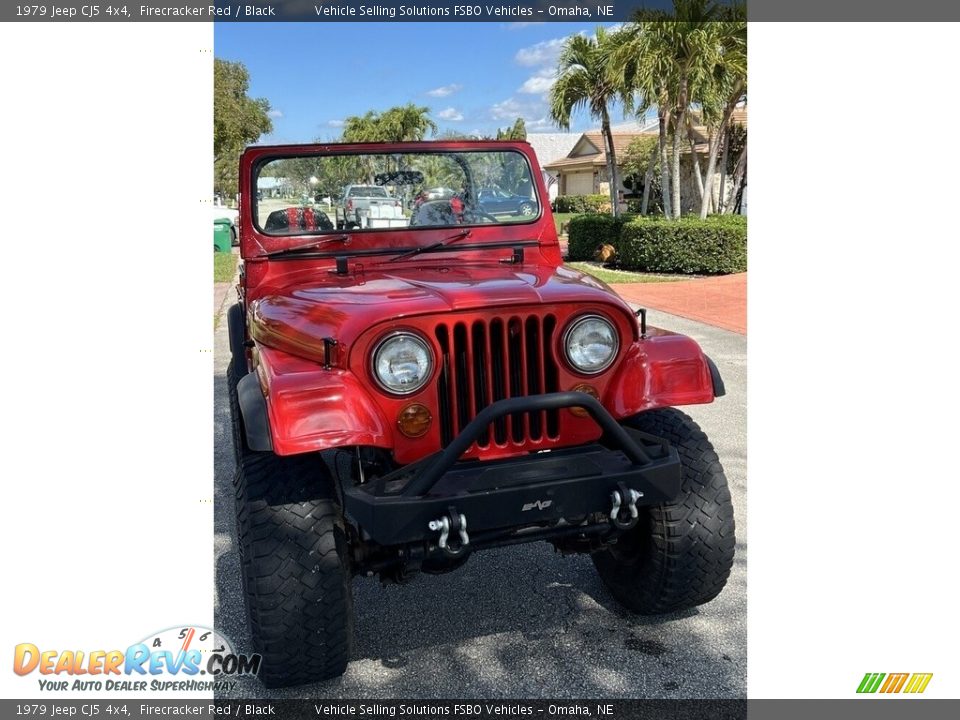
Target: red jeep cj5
428 380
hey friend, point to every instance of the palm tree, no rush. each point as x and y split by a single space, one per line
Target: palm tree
362 128
407 122
668 60
584 82
637 67
398 124
728 89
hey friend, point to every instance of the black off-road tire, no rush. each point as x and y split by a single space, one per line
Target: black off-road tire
681 553
294 562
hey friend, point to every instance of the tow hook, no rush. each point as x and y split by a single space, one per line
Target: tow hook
457 524
630 512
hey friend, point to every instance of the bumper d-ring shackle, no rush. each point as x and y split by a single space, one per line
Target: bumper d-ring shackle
455 523
623 511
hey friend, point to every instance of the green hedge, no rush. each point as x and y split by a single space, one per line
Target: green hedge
582 203
715 246
586 232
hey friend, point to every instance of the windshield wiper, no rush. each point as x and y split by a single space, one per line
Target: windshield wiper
433 246
309 246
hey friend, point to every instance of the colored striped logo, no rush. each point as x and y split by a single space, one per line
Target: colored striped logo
894 682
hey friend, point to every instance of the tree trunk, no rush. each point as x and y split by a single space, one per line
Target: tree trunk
739 174
722 201
612 173
675 162
679 126
664 165
715 146
695 161
648 179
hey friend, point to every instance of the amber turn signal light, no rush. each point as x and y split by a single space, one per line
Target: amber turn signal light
414 420
589 390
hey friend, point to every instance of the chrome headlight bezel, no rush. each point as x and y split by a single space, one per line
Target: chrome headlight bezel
383 343
578 322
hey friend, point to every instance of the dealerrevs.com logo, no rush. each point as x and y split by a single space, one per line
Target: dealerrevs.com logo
909 683
176 659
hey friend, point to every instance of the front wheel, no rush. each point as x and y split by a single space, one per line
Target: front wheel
526 209
294 562
681 553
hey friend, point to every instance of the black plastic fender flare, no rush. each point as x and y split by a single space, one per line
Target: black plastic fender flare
719 389
253 408
237 332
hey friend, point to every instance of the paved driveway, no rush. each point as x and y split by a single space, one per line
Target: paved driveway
719 301
524 622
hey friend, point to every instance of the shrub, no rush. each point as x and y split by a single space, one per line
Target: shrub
583 203
588 231
715 246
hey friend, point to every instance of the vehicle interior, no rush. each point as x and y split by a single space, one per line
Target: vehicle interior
319 193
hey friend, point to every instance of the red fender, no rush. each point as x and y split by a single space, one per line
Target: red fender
312 409
660 370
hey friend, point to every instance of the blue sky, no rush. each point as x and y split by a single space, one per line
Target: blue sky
475 77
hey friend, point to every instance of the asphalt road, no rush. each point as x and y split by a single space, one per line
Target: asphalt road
523 622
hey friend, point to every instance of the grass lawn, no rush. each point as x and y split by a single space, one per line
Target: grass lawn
622 276
224 266
560 218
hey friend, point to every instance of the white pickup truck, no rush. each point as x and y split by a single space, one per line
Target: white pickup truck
369 206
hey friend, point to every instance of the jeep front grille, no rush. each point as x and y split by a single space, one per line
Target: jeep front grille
488 360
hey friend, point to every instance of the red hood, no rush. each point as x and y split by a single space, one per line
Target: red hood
297 318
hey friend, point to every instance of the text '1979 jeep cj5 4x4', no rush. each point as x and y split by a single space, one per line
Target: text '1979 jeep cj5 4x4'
404 396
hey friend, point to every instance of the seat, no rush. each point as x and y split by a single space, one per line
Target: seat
294 220
434 212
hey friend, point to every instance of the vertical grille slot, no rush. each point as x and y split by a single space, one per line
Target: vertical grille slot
551 374
517 377
498 349
535 380
482 387
490 360
443 387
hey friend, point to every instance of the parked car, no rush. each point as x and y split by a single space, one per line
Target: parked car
368 206
497 202
438 193
403 397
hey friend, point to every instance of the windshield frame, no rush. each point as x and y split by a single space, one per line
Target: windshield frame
385 149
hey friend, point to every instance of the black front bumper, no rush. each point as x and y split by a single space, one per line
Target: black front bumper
536 489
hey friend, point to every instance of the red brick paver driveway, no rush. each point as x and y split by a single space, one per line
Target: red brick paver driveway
718 301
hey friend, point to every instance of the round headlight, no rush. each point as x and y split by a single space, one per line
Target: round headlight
591 344
402 363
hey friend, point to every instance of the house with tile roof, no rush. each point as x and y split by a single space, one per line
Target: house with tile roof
583 171
550 147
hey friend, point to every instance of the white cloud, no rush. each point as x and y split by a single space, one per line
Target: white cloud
540 83
537 85
508 109
542 123
543 53
534 112
511 109
451 114
335 123
274 114
444 90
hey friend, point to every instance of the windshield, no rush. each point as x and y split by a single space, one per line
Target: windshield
367 191
332 193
